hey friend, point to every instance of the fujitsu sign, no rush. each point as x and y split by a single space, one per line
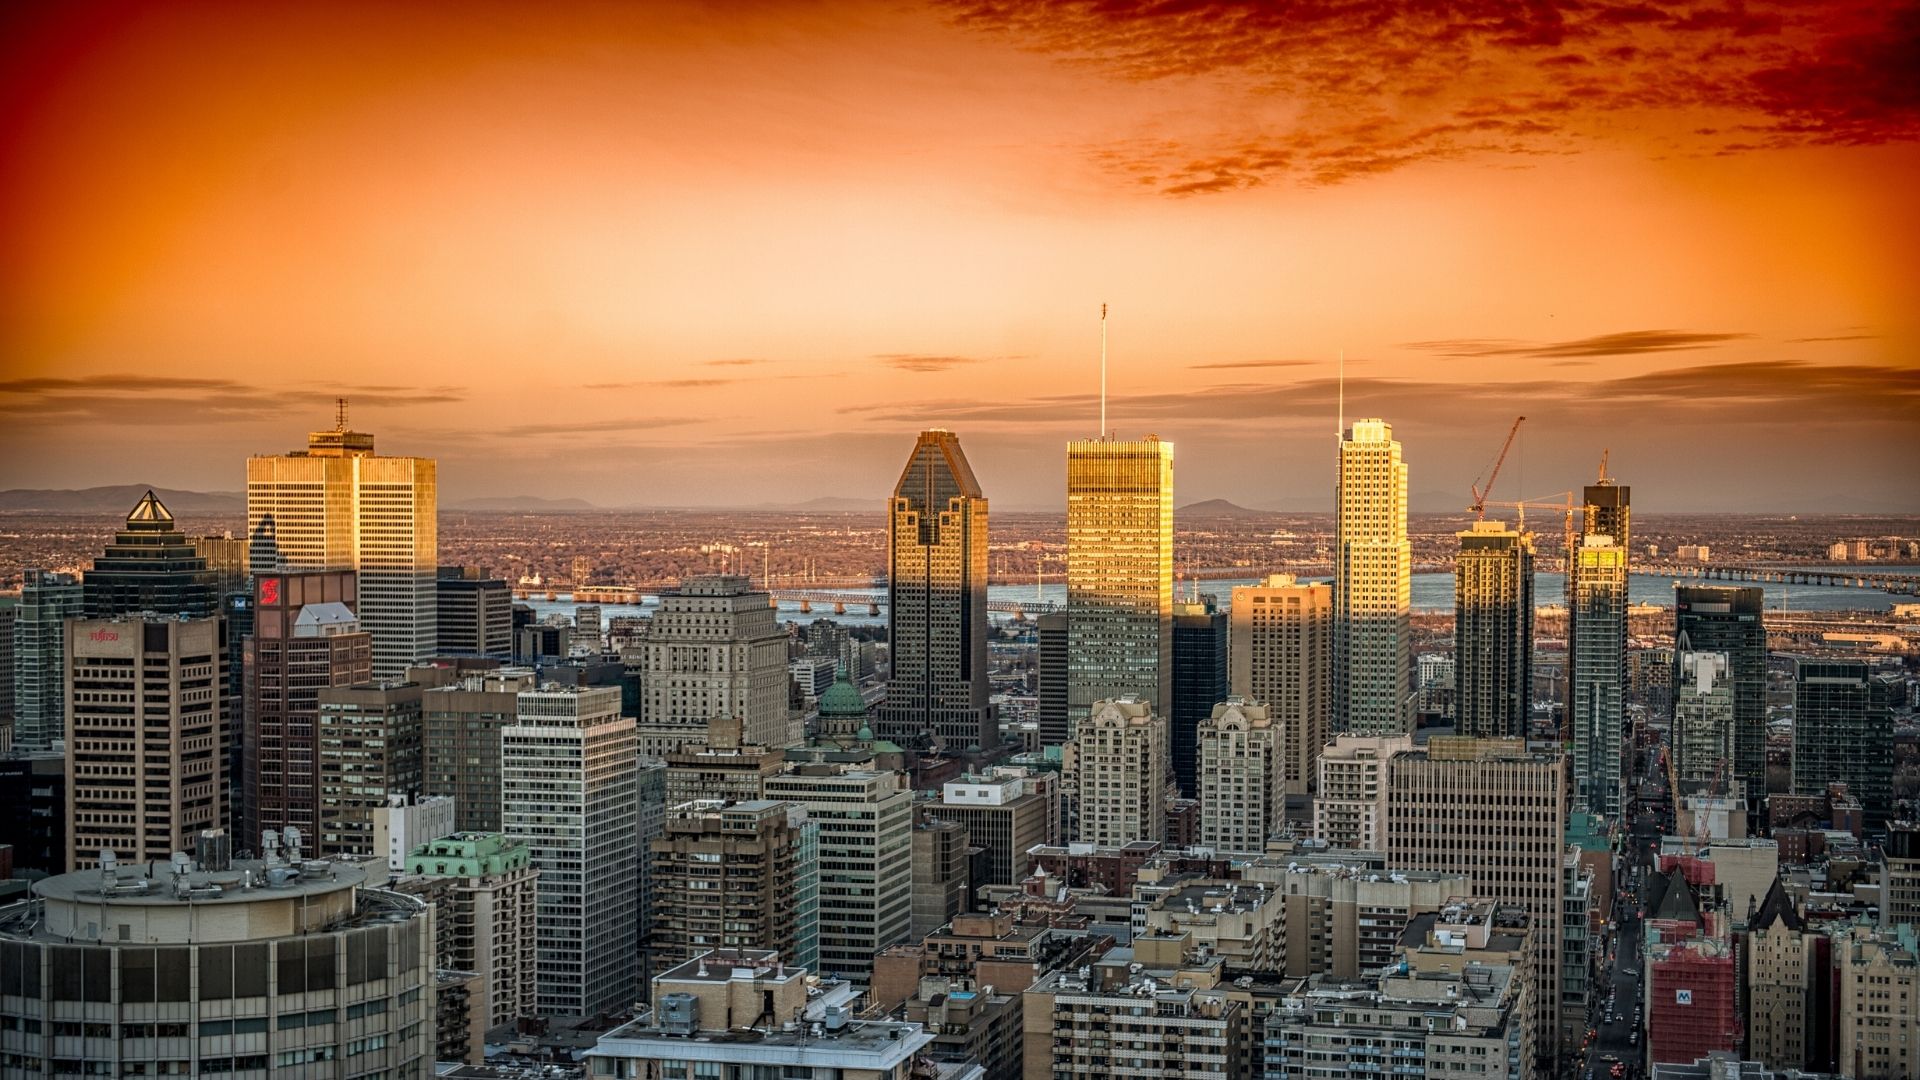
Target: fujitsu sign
104 634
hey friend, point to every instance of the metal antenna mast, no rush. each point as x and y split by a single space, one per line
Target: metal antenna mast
340 414
1341 431
1103 371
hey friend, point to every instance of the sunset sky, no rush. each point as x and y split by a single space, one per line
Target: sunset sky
734 254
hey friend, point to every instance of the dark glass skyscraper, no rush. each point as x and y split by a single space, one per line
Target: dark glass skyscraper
1493 631
937 602
1843 733
1199 682
150 566
1727 619
1050 634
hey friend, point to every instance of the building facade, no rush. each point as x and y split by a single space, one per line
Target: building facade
1843 733
1050 641
1493 632
369 739
1598 652
492 905
1725 618
306 637
1372 585
474 614
714 648
47 601
1279 652
740 876
1119 574
1199 683
253 971
568 768
147 736
1705 721
937 603
1118 773
338 506
1242 783
460 753
866 860
149 566
1350 810
1008 812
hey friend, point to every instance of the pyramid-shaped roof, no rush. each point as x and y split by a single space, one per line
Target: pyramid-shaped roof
1775 908
149 511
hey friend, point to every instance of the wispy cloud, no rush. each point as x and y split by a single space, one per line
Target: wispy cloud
1627 343
736 361
1250 364
160 400
924 362
1835 337
660 384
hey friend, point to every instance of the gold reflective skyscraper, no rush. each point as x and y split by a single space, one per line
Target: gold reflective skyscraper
1119 573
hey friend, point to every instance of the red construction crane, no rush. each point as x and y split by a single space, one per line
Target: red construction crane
1479 506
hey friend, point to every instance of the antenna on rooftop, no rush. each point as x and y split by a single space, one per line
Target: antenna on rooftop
1103 371
1340 432
339 414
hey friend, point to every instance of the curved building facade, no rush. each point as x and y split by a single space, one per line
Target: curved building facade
282 969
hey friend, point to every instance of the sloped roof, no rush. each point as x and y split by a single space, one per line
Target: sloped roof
149 510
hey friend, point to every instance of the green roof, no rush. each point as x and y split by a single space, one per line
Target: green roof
842 699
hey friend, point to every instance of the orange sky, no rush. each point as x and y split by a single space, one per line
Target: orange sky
730 255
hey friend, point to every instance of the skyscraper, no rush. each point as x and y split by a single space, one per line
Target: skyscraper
369 750
1703 720
338 506
714 648
1493 631
1119 573
1119 773
1278 651
1843 733
865 859
146 736
568 772
47 601
1372 585
1496 810
1199 683
1598 652
1050 638
732 876
1242 788
150 566
1727 618
461 723
937 602
1607 511
475 614
305 637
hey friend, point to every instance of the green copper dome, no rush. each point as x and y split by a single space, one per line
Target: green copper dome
842 699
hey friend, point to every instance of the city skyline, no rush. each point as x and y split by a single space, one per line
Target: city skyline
653 257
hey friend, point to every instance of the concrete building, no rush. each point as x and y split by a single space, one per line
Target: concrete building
253 970
1008 811
1496 810
1350 809
702 1008
1457 1006
970 1022
1705 721
1344 912
1119 772
1119 574
1727 619
150 566
1493 631
866 860
714 649
1280 640
1598 665
338 506
1156 1009
937 603
147 732
942 879
306 636
1372 585
722 767
1843 733
474 613
1788 973
1199 683
1241 777
492 907
47 601
1900 892
1243 923
740 876
567 783
33 803
369 740
1879 1003
461 722
404 824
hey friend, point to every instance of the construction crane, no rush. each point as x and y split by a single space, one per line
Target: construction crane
1604 453
1562 501
1479 506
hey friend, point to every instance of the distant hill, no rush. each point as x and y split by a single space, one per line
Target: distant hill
832 504
119 498
1217 508
520 503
